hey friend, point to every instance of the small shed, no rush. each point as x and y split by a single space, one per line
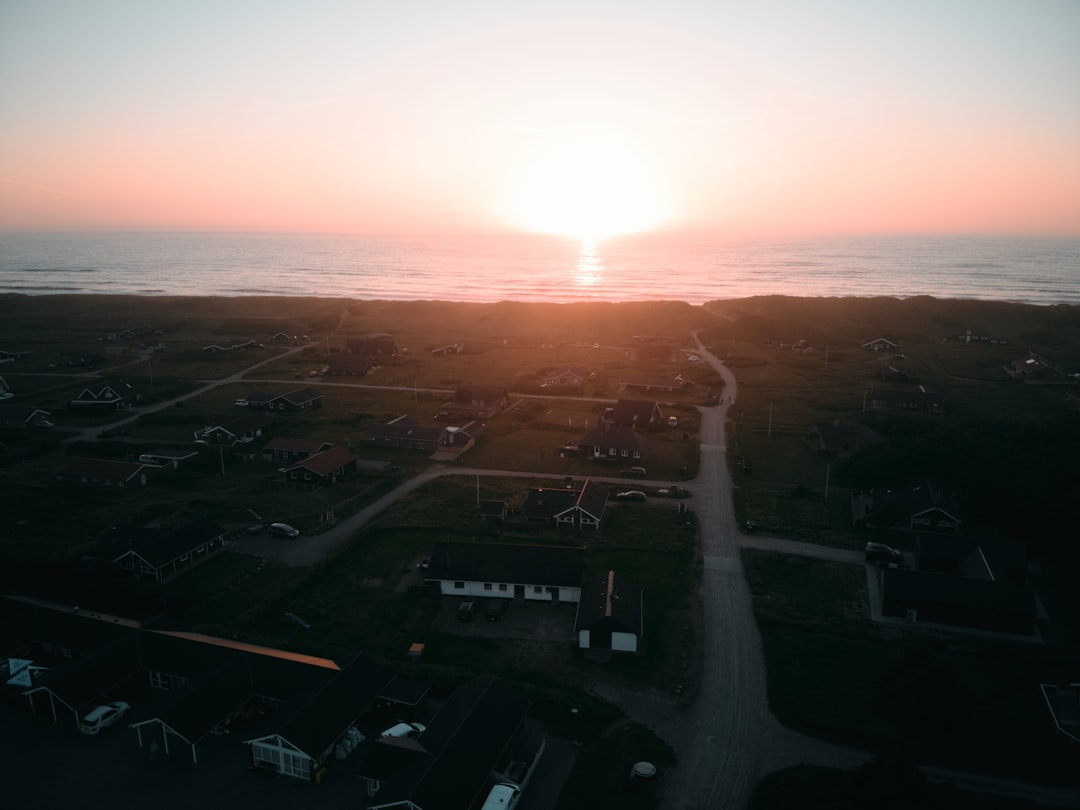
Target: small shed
610 615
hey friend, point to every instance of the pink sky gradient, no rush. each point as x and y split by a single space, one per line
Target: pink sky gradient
732 118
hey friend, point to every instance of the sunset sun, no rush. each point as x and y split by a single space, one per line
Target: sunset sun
584 187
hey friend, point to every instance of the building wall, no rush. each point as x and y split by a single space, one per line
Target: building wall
505 590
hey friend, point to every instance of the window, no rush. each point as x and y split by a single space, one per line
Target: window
459 585
502 586
184 557
625 454
537 589
487 586
637 454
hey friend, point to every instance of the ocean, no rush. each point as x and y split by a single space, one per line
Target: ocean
1033 270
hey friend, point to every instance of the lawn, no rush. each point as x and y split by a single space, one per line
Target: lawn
949 699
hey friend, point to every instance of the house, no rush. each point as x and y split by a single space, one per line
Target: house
899 401
880 344
104 472
114 393
298 708
233 346
646 383
610 615
971 557
242 430
405 433
474 402
841 438
929 507
8 356
19 417
304 732
985 604
5 390
373 344
167 456
322 469
608 442
567 377
286 450
480 737
1063 701
163 554
1035 370
302 399
536 573
580 508
636 413
342 363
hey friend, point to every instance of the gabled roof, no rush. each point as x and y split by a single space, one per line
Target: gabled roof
467 740
591 499
619 437
315 721
296 445
505 562
20 414
164 547
1004 598
838 436
241 424
543 503
301 395
326 462
612 602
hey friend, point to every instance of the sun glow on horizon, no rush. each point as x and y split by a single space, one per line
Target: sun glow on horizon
585 187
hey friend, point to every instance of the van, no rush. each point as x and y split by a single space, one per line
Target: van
503 796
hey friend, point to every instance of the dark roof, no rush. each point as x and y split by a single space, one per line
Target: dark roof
164 547
468 739
91 676
591 499
314 722
971 557
613 602
621 437
504 562
838 436
1007 598
301 395
296 445
543 503
196 708
326 462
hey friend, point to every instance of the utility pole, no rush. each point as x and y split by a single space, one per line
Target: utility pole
827 481
221 455
770 420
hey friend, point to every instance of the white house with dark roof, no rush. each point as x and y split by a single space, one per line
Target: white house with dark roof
579 507
610 615
608 442
114 392
536 573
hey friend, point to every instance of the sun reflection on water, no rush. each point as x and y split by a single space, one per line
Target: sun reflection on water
590 268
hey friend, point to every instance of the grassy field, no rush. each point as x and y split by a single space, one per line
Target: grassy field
831 673
834 674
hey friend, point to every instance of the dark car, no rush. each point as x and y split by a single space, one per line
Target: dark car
495 609
466 610
633 472
881 553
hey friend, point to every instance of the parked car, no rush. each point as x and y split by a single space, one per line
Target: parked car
881 553
634 472
103 716
405 730
673 421
466 610
752 526
495 610
282 530
240 403
630 495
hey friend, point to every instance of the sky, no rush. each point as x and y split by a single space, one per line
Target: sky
583 118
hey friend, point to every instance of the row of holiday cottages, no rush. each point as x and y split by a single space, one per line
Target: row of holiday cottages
299 715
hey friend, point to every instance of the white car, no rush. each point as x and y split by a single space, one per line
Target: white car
283 530
405 730
103 717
